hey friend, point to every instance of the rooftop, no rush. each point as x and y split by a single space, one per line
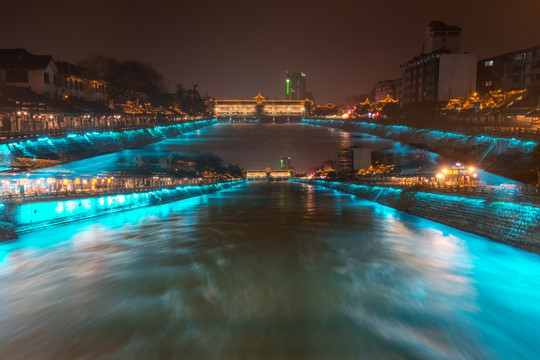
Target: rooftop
22 59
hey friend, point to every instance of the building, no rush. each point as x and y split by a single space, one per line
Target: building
47 77
295 86
440 36
260 108
385 88
352 159
516 70
442 72
408 158
73 83
38 72
285 163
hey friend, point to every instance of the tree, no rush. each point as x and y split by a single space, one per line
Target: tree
191 102
128 80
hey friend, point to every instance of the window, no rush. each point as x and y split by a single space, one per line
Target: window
46 79
488 83
16 76
488 63
520 56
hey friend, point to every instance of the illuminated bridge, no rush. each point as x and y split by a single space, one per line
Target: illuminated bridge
268 174
260 108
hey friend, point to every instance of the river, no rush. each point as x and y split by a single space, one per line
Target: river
266 271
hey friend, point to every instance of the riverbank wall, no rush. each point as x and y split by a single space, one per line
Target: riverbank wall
80 146
500 155
20 218
510 223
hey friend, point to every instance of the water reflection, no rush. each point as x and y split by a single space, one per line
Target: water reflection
253 146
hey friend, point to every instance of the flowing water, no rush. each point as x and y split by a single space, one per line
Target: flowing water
266 271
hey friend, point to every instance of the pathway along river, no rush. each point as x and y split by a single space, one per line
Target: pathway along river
266 270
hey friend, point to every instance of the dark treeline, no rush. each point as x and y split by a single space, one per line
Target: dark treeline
140 82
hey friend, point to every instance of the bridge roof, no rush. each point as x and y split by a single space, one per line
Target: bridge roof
254 102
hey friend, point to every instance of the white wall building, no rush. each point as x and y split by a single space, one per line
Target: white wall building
457 76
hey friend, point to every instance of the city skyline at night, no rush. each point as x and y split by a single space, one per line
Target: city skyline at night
344 48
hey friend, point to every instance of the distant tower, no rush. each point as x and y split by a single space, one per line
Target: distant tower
285 163
295 86
442 36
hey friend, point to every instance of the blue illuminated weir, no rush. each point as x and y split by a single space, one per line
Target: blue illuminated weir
514 224
399 132
32 216
77 146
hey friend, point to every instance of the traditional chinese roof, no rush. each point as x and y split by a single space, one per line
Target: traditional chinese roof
94 107
21 59
388 99
68 69
495 100
17 97
366 103
259 99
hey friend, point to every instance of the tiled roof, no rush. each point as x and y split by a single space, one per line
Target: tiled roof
68 69
22 59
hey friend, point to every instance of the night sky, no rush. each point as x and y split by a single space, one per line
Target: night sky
234 49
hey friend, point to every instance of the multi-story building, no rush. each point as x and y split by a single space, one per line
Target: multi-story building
73 83
442 72
516 70
352 159
385 88
295 86
285 163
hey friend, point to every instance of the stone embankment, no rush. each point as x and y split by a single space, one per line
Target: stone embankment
510 223
80 146
32 216
503 156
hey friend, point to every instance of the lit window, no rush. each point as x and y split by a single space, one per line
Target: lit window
488 63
